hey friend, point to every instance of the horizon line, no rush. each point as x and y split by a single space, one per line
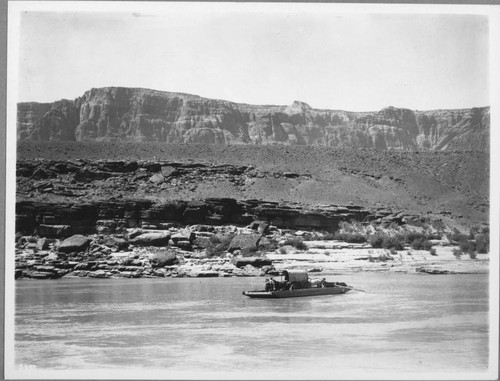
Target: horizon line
253 104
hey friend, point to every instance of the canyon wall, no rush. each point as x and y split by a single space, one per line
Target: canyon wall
141 115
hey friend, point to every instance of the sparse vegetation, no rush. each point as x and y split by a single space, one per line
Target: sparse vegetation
381 257
268 245
468 247
413 236
478 241
387 242
377 241
457 253
483 243
219 244
456 236
296 242
421 244
350 237
328 236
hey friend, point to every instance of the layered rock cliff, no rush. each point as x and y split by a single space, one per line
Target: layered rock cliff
141 115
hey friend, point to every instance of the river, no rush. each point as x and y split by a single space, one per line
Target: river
205 328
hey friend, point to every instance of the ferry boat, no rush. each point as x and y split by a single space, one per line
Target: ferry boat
297 283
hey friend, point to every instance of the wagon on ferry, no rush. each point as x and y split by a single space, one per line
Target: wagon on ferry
297 283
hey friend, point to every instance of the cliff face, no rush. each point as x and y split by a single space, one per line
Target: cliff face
138 115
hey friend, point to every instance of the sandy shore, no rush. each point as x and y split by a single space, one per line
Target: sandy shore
338 257
335 257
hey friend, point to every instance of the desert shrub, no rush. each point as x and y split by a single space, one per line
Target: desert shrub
376 241
467 247
218 245
434 236
296 242
215 239
350 237
457 253
328 236
387 242
283 250
383 257
421 244
475 230
458 237
396 242
473 255
346 226
483 243
268 244
433 251
410 237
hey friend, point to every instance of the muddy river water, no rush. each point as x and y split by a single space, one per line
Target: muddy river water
205 328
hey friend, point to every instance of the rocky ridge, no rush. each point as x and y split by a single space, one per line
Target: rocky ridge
142 115
72 205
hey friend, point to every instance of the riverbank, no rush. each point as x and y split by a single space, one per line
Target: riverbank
258 249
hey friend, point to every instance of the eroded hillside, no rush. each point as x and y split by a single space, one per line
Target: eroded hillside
440 185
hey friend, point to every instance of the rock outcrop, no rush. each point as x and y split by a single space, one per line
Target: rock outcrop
60 198
46 218
141 115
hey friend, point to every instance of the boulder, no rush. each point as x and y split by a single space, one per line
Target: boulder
247 242
202 242
64 265
116 243
76 243
162 259
184 245
257 262
261 227
18 236
105 226
85 266
42 244
99 274
151 239
46 269
183 235
207 274
134 233
41 275
247 270
19 273
156 178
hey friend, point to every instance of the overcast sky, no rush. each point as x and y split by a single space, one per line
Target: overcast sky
360 61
